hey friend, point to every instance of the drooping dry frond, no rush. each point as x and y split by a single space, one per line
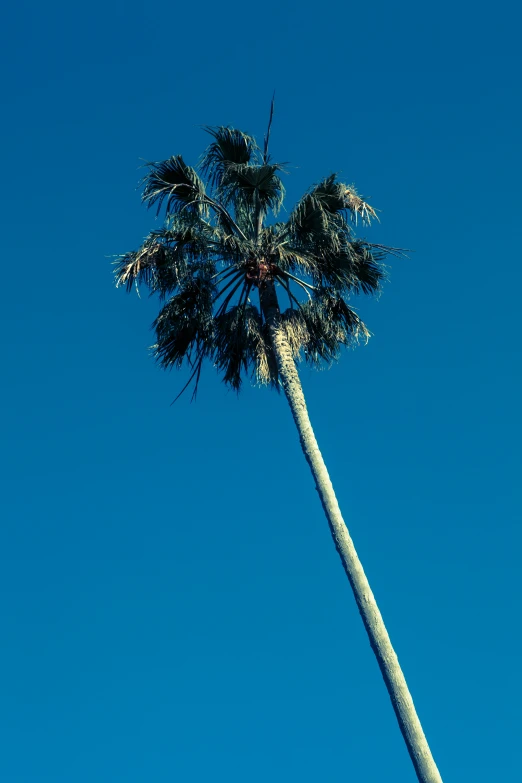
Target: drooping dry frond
265 364
358 207
294 324
163 259
137 266
322 326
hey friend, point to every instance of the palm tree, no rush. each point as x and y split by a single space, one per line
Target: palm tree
214 258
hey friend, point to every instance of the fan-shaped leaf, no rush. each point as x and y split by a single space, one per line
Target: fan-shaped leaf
350 268
163 259
330 194
184 327
252 187
242 343
337 197
231 146
321 326
308 221
175 183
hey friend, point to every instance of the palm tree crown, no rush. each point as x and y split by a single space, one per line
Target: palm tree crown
216 248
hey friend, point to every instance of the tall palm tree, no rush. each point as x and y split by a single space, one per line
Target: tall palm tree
222 272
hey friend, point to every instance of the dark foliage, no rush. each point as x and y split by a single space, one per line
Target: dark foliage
215 250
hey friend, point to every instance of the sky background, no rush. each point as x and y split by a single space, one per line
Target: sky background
172 607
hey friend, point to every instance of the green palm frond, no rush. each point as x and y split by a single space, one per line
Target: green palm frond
235 333
291 259
163 259
234 249
252 187
308 221
241 177
242 344
318 217
366 271
351 268
335 197
185 325
331 194
242 223
178 185
231 147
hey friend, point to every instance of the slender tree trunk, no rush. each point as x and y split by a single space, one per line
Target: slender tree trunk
402 702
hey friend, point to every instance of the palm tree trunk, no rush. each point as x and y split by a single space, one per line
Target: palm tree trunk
400 696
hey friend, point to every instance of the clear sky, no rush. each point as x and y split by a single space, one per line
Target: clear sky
172 607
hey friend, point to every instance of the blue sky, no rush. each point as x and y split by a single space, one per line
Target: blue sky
172 605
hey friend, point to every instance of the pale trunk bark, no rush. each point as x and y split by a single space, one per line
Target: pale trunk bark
402 702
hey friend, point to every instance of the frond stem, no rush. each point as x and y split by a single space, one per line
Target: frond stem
222 272
224 304
197 370
398 252
298 280
290 294
286 286
246 291
228 286
220 208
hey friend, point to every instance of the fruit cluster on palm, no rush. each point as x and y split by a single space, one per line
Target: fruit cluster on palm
224 272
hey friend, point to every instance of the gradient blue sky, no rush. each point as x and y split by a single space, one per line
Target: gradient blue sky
172 605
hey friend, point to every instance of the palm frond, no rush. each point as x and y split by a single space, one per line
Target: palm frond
317 220
358 207
242 343
185 327
351 268
331 324
322 326
251 187
137 267
289 258
308 221
231 147
245 217
336 197
232 343
178 185
163 259
234 250
365 269
331 194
